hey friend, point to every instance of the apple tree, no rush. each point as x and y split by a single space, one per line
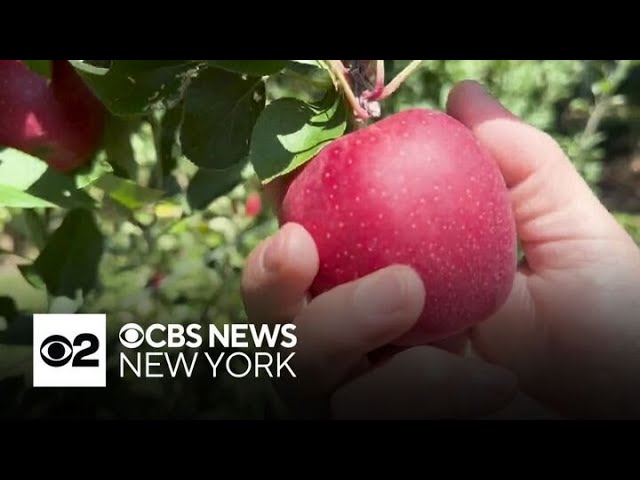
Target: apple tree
133 187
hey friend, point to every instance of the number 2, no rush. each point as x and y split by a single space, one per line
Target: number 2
79 359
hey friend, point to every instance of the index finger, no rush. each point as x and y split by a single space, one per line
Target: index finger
339 327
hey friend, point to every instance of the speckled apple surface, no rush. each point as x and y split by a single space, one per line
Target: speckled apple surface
416 189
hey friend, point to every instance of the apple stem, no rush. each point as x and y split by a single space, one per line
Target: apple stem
373 95
399 79
339 70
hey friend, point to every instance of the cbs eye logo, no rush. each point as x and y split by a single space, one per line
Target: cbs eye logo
131 335
69 350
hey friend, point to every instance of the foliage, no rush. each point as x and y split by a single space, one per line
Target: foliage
566 98
631 223
155 228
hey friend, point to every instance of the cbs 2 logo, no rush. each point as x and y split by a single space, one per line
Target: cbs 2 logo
56 350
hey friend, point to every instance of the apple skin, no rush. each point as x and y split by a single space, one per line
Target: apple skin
417 189
60 121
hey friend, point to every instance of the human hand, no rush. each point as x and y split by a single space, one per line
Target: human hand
336 332
570 329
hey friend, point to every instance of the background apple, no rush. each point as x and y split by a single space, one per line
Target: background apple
59 121
253 204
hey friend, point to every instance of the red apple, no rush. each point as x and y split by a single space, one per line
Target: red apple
416 189
253 205
60 121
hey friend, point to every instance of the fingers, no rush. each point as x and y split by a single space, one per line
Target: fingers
338 328
551 202
513 337
278 274
426 383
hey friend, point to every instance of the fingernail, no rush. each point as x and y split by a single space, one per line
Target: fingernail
383 293
475 85
493 380
479 93
275 252
484 98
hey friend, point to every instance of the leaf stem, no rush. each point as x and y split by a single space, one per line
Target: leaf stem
377 91
399 79
337 68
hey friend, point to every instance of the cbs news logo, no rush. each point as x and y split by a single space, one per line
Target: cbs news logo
69 350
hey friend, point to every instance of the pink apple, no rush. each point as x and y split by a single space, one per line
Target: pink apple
416 189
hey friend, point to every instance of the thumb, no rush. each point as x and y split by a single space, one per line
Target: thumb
550 200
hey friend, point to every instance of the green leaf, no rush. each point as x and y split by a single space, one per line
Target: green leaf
31 275
90 173
315 63
117 145
69 262
12 197
89 66
220 111
32 175
60 190
307 82
136 87
251 67
207 185
127 192
41 67
20 170
289 133
602 87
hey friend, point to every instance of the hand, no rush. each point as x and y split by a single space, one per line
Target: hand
571 326
337 330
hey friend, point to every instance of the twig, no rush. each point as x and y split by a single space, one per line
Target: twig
603 102
599 111
399 79
337 68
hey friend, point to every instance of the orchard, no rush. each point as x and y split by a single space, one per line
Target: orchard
139 187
